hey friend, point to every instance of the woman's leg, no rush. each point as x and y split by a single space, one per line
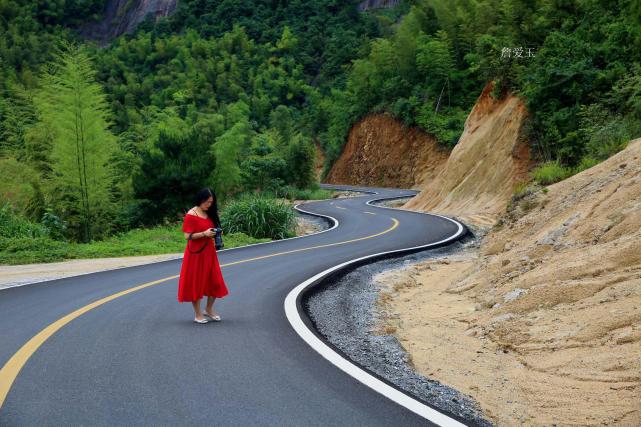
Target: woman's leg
196 305
210 306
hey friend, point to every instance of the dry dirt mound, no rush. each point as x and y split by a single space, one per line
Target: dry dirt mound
489 160
380 152
547 320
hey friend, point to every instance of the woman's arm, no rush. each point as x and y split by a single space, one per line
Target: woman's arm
195 236
199 235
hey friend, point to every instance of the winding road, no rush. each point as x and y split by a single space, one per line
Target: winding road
115 348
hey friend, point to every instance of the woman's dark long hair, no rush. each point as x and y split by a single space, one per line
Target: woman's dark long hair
212 212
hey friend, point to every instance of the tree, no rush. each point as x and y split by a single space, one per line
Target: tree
72 105
264 168
434 60
172 170
227 150
300 161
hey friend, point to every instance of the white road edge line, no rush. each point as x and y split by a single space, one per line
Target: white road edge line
293 316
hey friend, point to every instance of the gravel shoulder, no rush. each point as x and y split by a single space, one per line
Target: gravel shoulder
348 312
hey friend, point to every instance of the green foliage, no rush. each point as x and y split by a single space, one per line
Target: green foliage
258 216
313 193
72 105
56 227
165 239
28 250
429 72
551 172
20 188
227 150
322 36
521 190
171 172
232 94
447 127
604 133
300 156
15 226
265 168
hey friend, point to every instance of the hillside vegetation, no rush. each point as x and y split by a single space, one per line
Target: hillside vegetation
234 95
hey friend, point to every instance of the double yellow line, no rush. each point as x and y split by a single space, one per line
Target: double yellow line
12 368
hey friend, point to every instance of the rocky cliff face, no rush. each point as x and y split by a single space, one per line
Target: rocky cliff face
122 16
486 165
380 152
377 4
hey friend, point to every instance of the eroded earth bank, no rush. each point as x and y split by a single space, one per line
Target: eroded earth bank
541 323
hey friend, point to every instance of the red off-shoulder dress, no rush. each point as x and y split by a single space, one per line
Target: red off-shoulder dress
200 273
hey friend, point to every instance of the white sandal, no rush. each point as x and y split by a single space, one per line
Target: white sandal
215 318
203 321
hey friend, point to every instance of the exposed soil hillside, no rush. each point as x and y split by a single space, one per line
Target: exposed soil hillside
543 325
483 169
381 152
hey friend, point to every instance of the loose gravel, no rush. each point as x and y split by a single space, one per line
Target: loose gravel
345 312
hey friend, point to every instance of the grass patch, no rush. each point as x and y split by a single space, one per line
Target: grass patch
13 225
293 193
151 241
551 172
260 217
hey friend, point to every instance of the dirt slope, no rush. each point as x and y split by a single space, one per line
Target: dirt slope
485 166
380 152
543 325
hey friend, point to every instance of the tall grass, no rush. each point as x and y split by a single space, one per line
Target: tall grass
551 172
151 241
294 193
13 225
259 216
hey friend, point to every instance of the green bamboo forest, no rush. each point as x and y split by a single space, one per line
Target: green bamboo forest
103 145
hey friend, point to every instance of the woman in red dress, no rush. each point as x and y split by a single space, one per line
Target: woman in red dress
200 273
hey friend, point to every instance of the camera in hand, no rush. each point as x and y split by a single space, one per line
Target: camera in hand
218 238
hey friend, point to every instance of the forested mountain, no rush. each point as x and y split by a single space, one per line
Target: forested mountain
233 94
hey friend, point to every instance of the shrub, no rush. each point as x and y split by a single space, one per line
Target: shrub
14 226
521 190
259 217
551 172
293 193
26 250
586 163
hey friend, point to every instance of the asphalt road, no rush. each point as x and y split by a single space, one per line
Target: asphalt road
140 360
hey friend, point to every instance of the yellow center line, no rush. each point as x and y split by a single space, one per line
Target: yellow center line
12 368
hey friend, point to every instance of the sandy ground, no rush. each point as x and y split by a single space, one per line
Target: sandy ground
547 384
542 324
18 275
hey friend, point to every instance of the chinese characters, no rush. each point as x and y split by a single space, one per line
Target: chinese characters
517 52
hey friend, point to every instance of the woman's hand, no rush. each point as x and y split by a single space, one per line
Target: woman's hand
209 233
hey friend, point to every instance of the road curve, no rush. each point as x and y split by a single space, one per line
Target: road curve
137 359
